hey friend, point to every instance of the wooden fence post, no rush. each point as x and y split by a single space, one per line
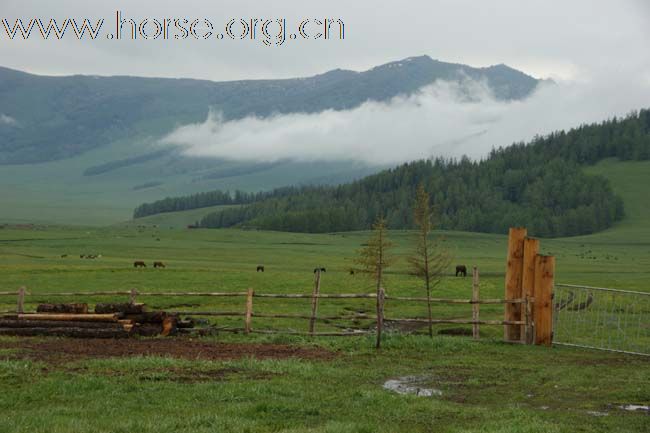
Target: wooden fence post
531 249
132 295
544 282
20 306
249 311
314 303
514 273
381 297
475 304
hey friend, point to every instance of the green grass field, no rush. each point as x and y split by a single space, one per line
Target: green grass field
487 386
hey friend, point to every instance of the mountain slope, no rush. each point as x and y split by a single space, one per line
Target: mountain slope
60 117
84 150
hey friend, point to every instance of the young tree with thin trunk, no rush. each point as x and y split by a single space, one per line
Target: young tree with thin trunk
373 259
430 258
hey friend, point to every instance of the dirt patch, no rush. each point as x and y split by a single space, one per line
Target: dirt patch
67 349
455 331
174 374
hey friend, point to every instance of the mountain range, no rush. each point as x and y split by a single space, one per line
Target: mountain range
85 147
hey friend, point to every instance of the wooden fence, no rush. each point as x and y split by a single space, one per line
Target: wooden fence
312 316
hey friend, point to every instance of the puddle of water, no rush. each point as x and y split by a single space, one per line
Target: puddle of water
410 385
596 413
635 407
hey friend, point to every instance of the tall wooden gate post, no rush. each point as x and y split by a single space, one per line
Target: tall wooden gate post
544 282
513 287
314 302
531 249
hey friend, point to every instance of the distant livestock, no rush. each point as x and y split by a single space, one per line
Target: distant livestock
351 271
319 269
461 270
158 265
139 264
63 256
260 268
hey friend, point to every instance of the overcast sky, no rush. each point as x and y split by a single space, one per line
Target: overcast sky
596 50
545 38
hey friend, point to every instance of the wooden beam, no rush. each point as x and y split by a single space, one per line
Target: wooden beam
531 249
514 273
71 317
475 305
249 311
380 315
544 281
20 305
314 303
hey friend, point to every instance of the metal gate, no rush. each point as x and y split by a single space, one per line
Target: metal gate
600 318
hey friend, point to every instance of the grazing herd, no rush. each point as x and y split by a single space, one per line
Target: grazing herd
461 270
86 256
142 264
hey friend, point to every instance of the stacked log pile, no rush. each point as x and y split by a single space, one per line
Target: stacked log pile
108 321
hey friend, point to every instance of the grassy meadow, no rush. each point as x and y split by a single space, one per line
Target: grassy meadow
487 386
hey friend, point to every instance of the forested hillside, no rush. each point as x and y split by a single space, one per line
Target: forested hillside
540 185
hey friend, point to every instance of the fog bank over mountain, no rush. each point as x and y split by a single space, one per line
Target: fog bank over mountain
447 119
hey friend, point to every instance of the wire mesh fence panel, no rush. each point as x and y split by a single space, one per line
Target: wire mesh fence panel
601 318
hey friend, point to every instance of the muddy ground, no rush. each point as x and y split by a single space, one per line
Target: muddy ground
56 350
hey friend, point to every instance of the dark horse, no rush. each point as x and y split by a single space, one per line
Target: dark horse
260 268
158 265
139 264
462 270
319 269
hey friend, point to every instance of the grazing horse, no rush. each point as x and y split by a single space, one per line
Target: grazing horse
158 265
139 264
462 270
319 270
260 268
351 271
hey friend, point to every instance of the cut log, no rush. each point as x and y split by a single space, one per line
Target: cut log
169 326
147 317
148 329
63 308
124 308
59 324
185 324
66 332
71 317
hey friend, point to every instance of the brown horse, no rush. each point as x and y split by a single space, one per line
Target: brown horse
158 265
139 264
461 270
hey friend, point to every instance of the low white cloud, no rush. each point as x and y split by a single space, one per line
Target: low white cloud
444 119
7 120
